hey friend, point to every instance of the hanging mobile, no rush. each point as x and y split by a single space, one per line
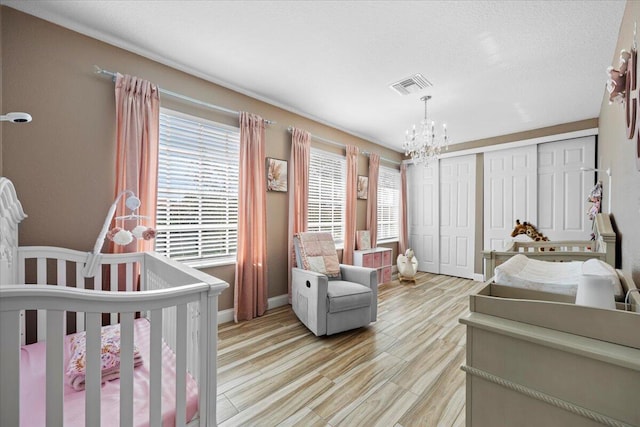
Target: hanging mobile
119 235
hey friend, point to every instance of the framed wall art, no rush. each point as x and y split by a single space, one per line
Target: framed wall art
363 187
276 175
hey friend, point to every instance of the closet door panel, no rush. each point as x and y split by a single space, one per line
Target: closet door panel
457 219
510 187
496 213
546 201
563 188
424 215
574 211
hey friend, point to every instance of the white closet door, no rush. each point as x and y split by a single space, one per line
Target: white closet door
510 192
457 215
423 215
563 188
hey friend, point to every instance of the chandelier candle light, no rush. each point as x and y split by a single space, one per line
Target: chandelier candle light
424 145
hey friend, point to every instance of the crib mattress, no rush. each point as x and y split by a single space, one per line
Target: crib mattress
562 278
32 387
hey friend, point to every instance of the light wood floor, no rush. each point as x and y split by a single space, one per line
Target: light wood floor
403 370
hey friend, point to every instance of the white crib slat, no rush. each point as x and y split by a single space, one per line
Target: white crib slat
210 355
97 279
21 267
10 367
62 272
23 315
55 365
193 327
113 273
92 394
23 327
126 369
181 364
155 374
129 271
203 374
41 279
79 285
42 325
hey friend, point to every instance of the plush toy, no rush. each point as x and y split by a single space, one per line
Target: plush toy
530 231
409 253
407 266
617 81
123 237
594 210
595 197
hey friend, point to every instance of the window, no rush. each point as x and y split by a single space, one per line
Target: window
197 189
388 203
327 184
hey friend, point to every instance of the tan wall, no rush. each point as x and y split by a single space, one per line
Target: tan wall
529 134
615 151
62 162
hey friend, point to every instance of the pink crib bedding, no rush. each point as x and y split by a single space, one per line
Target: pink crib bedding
32 387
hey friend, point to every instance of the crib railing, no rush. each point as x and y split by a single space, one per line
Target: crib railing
180 303
560 251
63 267
550 246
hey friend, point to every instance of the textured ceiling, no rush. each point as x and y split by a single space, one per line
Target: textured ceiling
497 67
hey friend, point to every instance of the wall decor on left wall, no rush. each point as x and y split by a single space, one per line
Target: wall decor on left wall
363 187
276 175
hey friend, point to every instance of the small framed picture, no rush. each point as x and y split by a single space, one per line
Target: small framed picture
363 239
363 187
276 175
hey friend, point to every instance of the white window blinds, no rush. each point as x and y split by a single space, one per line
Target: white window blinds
197 213
388 203
327 177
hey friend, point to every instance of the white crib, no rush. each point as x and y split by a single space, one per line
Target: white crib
180 304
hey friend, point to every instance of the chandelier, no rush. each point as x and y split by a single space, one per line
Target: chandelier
423 145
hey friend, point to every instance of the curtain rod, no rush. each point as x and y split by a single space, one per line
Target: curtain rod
181 97
339 144
319 138
384 159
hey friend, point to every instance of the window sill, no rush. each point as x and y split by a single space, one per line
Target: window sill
208 263
392 240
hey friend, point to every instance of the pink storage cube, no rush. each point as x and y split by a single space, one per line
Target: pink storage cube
377 259
368 260
386 258
386 274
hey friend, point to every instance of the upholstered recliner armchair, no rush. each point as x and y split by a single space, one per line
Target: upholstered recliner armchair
329 297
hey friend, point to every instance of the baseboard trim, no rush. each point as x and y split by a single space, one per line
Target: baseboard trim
225 316
278 301
478 277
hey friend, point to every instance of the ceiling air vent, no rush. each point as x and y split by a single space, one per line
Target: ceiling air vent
411 84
